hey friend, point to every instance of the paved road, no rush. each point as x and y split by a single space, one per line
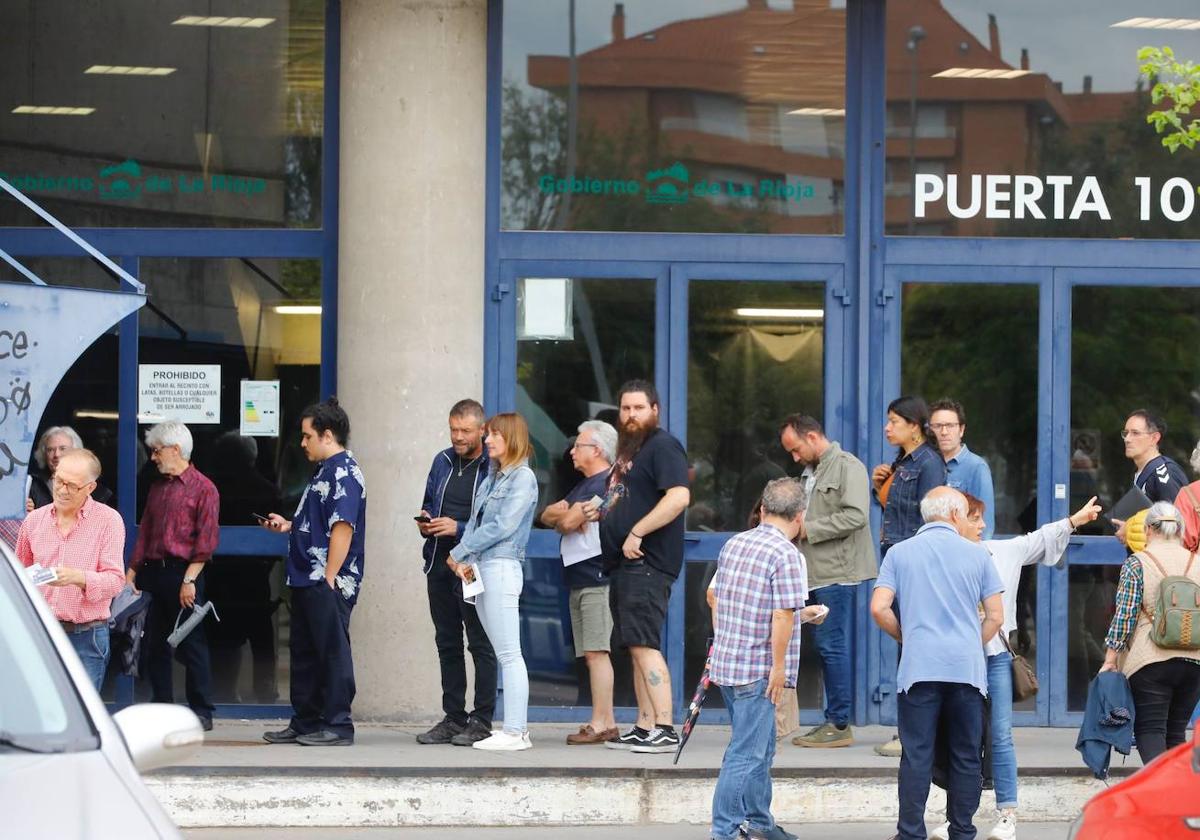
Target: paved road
844 831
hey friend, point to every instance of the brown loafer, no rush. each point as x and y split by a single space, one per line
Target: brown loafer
587 735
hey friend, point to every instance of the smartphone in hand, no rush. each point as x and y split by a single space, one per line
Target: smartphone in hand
424 520
260 518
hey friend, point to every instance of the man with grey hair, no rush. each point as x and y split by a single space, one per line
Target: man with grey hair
583 571
760 587
939 578
51 446
176 538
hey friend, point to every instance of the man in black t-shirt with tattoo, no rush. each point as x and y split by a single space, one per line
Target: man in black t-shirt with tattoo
641 540
449 495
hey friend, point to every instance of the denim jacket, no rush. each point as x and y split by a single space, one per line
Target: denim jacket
435 490
915 475
501 517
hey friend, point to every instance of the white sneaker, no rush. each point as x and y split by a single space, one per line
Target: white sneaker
501 740
942 832
1006 828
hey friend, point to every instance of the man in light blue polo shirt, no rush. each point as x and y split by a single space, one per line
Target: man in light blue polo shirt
939 578
965 470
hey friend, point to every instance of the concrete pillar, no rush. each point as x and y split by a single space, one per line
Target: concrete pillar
410 298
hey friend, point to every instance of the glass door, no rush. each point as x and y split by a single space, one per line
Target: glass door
571 334
761 342
1132 339
975 336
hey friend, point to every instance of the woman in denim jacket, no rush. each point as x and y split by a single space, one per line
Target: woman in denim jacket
494 542
918 468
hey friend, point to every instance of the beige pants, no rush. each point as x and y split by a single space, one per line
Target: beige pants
787 714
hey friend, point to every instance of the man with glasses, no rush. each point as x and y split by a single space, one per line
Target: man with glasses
583 570
1159 477
965 470
83 542
176 538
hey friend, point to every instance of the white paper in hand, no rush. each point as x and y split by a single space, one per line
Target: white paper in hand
472 584
820 612
42 574
578 546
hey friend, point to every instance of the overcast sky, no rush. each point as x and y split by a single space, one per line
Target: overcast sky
1067 39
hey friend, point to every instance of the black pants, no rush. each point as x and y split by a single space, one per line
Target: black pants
322 668
451 614
163 583
957 707
1164 696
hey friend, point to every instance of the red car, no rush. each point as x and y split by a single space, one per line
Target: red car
1159 802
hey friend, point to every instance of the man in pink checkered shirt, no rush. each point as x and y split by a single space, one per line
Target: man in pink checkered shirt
83 541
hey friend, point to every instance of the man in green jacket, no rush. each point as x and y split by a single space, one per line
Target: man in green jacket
835 538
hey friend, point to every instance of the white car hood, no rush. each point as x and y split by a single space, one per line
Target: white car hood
68 796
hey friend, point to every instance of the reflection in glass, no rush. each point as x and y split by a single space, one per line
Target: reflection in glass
755 355
1091 602
978 344
581 342
698 633
215 126
228 312
978 89
1131 348
649 115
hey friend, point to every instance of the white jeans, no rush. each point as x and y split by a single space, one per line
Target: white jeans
497 607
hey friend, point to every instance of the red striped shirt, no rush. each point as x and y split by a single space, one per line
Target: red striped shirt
95 545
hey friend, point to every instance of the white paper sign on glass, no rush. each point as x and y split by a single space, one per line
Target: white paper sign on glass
259 408
544 309
187 393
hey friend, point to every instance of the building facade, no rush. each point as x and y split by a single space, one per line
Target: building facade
765 207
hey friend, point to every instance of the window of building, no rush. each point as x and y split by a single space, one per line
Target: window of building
1039 135
614 115
127 114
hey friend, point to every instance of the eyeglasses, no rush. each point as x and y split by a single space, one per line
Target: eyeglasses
1128 433
941 427
59 484
156 450
593 445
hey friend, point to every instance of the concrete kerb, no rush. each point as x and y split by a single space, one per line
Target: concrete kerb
414 797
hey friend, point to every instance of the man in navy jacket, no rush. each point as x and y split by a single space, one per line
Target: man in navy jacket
455 475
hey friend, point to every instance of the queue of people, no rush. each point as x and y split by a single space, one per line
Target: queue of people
621 533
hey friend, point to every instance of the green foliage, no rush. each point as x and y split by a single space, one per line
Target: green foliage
1176 89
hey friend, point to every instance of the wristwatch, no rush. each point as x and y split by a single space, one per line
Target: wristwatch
189 580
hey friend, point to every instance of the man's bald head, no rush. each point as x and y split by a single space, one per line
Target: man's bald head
944 504
80 462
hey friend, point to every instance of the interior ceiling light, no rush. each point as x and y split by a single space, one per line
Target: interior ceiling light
123 70
819 112
1157 23
779 314
297 309
980 73
53 110
237 22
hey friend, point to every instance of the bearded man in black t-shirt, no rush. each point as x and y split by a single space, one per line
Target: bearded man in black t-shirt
641 540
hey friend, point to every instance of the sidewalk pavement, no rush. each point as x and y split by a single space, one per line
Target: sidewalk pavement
387 779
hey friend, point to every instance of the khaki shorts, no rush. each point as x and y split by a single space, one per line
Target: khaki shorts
591 619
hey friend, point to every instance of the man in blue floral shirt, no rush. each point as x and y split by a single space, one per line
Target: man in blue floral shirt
324 571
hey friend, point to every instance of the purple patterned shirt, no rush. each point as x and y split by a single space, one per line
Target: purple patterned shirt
758 572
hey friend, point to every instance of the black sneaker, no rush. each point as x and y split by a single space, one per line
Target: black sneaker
633 737
658 741
283 736
475 730
442 733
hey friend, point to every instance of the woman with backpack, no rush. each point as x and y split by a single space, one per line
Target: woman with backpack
1154 638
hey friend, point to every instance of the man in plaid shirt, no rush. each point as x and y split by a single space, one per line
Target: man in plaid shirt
761 584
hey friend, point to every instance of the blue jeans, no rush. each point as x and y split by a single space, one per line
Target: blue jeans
959 707
1004 755
743 793
832 638
92 647
498 609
